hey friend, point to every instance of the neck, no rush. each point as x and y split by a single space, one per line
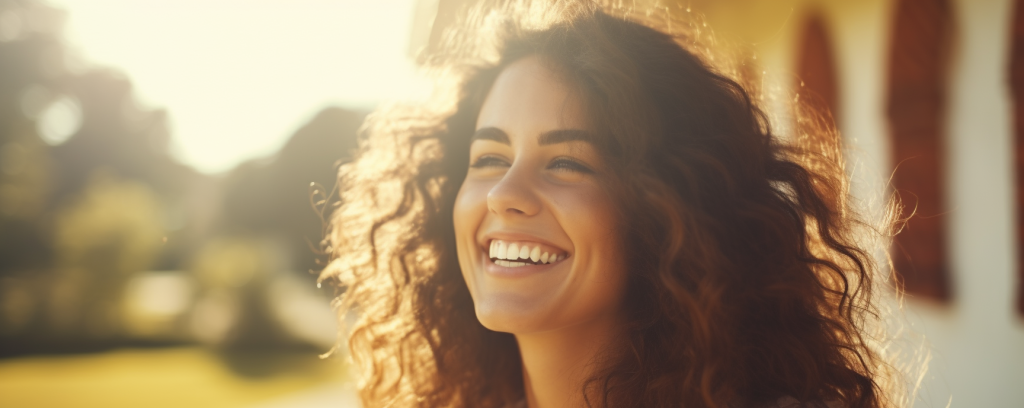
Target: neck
556 363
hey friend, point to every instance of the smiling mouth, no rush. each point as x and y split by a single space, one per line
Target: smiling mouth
518 253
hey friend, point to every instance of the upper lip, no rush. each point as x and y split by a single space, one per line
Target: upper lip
514 236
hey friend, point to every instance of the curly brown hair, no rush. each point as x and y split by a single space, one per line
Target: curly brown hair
750 280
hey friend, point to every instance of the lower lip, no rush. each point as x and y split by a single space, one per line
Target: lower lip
517 271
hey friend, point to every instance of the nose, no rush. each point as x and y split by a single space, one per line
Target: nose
514 194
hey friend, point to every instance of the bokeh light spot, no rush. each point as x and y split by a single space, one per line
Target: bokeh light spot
60 120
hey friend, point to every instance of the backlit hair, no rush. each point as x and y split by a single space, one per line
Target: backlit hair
750 275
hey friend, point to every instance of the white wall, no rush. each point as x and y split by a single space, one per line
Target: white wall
977 341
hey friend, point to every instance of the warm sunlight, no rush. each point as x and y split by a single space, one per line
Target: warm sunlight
239 76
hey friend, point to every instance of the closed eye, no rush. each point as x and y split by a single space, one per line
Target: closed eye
489 161
569 164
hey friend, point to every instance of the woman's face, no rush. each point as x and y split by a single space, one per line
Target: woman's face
536 231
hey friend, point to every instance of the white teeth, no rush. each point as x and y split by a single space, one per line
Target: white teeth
513 251
505 254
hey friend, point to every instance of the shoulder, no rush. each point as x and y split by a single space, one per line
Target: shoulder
790 402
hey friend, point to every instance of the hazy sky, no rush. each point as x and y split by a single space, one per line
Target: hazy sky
239 76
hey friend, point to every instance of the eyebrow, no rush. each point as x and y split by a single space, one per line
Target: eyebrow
546 138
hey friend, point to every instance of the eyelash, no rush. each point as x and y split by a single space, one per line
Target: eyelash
565 163
561 163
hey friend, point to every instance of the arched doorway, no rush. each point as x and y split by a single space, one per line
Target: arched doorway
918 66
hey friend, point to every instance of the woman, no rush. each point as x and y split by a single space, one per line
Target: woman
596 217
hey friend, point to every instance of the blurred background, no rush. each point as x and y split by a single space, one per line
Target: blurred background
165 168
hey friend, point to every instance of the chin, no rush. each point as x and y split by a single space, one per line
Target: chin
512 314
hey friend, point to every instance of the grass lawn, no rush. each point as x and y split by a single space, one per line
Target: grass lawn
173 377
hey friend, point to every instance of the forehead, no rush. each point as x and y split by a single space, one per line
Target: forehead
529 98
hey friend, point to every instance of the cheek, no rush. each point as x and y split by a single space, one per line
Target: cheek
470 207
590 218
467 215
